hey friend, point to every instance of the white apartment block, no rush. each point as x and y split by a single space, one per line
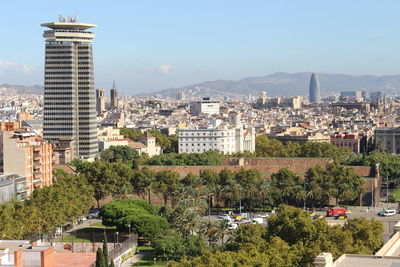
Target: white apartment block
205 106
225 140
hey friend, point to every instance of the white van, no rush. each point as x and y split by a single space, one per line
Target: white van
389 212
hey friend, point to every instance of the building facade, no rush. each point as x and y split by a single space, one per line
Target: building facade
204 106
114 97
351 141
100 101
69 96
227 141
28 155
12 186
388 139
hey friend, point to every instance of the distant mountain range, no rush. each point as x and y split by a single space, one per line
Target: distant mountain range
24 89
287 84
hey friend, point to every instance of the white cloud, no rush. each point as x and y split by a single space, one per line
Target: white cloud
165 69
8 68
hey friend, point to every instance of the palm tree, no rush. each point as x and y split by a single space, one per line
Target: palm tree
188 222
299 193
222 230
264 193
233 192
314 192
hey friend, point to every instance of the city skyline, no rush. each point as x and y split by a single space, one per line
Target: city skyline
174 44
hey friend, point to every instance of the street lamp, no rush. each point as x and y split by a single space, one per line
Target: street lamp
129 227
117 237
209 206
304 202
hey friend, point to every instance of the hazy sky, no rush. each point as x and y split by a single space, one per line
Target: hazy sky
150 45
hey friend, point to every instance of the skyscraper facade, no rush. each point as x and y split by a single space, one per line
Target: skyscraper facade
69 96
314 89
114 97
100 101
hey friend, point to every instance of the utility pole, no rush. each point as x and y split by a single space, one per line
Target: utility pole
372 199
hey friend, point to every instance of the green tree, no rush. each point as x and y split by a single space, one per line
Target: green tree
266 147
348 185
248 235
325 150
367 235
131 133
105 248
284 182
102 177
142 182
100 262
166 182
119 153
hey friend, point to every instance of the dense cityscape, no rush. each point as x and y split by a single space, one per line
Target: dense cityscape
200 175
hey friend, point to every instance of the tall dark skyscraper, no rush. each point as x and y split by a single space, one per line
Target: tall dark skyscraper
314 89
69 96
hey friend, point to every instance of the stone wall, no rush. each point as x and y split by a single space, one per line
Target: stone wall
79 247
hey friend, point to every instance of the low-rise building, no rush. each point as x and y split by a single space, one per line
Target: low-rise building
225 140
19 253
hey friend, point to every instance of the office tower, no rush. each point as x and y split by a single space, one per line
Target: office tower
205 106
100 101
180 96
114 96
314 88
69 96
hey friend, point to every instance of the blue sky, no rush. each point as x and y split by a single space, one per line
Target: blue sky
151 45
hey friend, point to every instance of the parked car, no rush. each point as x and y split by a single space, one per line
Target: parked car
381 213
387 213
223 216
341 217
264 215
232 226
258 220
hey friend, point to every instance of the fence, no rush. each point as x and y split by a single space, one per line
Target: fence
122 247
122 251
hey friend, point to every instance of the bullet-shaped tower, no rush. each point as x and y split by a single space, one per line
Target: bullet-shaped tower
314 89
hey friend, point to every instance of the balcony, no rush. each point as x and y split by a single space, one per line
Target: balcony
37 182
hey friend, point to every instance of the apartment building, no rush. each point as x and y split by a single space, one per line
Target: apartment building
28 155
351 141
225 140
12 186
